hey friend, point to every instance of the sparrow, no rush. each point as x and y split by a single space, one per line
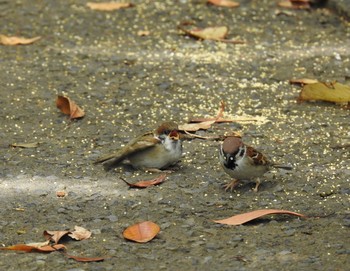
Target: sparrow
244 163
153 150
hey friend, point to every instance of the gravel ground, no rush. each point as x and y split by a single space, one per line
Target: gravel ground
127 84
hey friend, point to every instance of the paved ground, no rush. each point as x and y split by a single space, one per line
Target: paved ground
128 84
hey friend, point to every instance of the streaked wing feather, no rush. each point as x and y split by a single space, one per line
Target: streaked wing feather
257 157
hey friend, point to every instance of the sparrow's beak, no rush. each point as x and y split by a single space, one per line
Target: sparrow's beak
174 135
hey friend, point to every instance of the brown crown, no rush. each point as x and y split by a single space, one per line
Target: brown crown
231 144
166 128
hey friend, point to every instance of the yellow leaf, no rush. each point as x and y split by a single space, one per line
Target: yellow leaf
330 92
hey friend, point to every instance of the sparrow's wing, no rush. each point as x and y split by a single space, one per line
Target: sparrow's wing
140 143
257 157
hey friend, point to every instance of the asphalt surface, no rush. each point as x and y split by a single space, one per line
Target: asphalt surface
128 83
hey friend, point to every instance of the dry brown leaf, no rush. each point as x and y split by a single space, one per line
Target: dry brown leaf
85 259
209 33
141 232
69 107
218 118
303 81
193 127
144 184
61 194
203 123
217 33
55 236
220 113
35 247
25 145
108 6
223 3
295 4
246 217
330 92
6 40
80 233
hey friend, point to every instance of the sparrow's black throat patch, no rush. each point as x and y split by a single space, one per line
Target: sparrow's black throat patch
230 161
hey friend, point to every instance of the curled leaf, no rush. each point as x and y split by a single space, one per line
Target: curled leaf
61 194
108 6
144 184
141 232
80 233
55 236
246 217
223 3
203 123
6 40
330 92
69 107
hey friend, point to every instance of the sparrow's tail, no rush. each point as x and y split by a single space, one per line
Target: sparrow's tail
110 161
286 167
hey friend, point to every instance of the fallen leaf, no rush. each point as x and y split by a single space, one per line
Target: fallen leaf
85 259
6 40
217 33
55 236
189 135
35 247
220 113
303 81
203 123
141 232
246 217
193 127
80 233
68 107
25 145
61 194
295 4
209 33
108 6
223 3
143 33
144 184
330 92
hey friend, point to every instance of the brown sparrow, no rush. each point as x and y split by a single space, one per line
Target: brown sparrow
152 150
243 162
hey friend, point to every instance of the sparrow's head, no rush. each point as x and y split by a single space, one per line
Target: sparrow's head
169 129
231 149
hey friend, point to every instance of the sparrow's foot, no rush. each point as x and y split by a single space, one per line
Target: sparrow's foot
231 185
257 184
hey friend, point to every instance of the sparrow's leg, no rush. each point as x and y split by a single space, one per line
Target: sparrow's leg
257 183
231 185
